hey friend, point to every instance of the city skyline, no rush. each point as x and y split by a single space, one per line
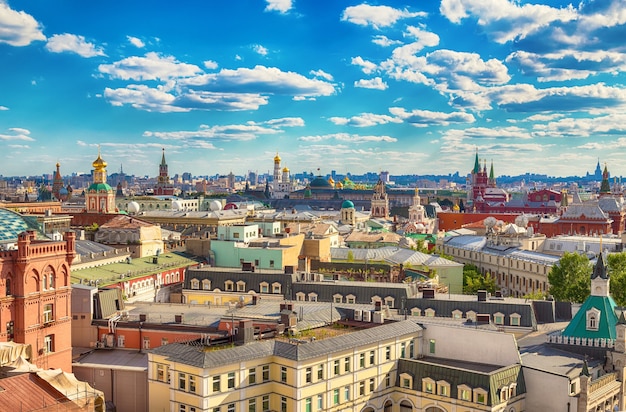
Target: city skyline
397 86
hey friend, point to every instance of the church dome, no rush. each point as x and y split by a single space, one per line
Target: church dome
286 170
276 158
99 164
347 204
320 183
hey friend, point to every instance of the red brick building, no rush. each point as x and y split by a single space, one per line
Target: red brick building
35 292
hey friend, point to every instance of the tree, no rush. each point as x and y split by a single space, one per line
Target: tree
473 281
570 278
617 273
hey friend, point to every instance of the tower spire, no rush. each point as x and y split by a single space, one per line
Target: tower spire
476 163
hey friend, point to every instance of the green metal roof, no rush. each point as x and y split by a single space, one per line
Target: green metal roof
606 322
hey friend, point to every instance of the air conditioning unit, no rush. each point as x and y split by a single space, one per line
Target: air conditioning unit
379 317
125 315
358 315
99 345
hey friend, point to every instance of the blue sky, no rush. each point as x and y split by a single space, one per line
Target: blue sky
409 87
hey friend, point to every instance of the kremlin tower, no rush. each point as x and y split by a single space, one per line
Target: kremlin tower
163 187
100 197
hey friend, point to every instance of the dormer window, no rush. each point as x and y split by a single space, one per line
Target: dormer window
593 319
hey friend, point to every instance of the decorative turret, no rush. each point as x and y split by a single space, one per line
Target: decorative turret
476 164
605 186
600 278
492 177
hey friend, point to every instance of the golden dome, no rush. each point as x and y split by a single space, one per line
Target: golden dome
285 170
276 158
456 207
99 164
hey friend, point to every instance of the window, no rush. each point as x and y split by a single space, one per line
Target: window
498 318
231 380
320 402
361 388
47 313
192 384
346 393
443 388
387 380
264 287
182 408
266 373
51 280
514 319
372 384
229 286
271 263
308 375
206 284
8 287
411 349
283 404
252 405
161 371
276 287
320 372
431 346
265 403
48 344
283 374
346 365
217 409
146 342
402 349
307 404
428 385
336 367
337 298
241 286
335 396
230 407
164 341
252 376
593 316
182 381
121 341
362 360
464 392
216 383
388 353
195 284
406 383
372 357
572 388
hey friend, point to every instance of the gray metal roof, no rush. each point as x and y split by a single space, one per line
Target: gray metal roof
199 357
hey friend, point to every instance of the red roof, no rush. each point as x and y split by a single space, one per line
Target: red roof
27 392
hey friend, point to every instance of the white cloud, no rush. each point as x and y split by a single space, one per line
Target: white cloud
365 120
384 41
210 64
136 41
366 66
17 133
281 6
350 138
144 98
72 43
376 83
286 122
423 38
260 50
506 20
322 74
18 28
424 118
610 125
151 67
239 132
376 16
2 108
260 79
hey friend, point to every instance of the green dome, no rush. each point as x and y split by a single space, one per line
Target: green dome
347 204
99 187
320 183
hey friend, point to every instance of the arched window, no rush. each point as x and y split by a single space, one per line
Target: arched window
388 406
8 287
405 406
